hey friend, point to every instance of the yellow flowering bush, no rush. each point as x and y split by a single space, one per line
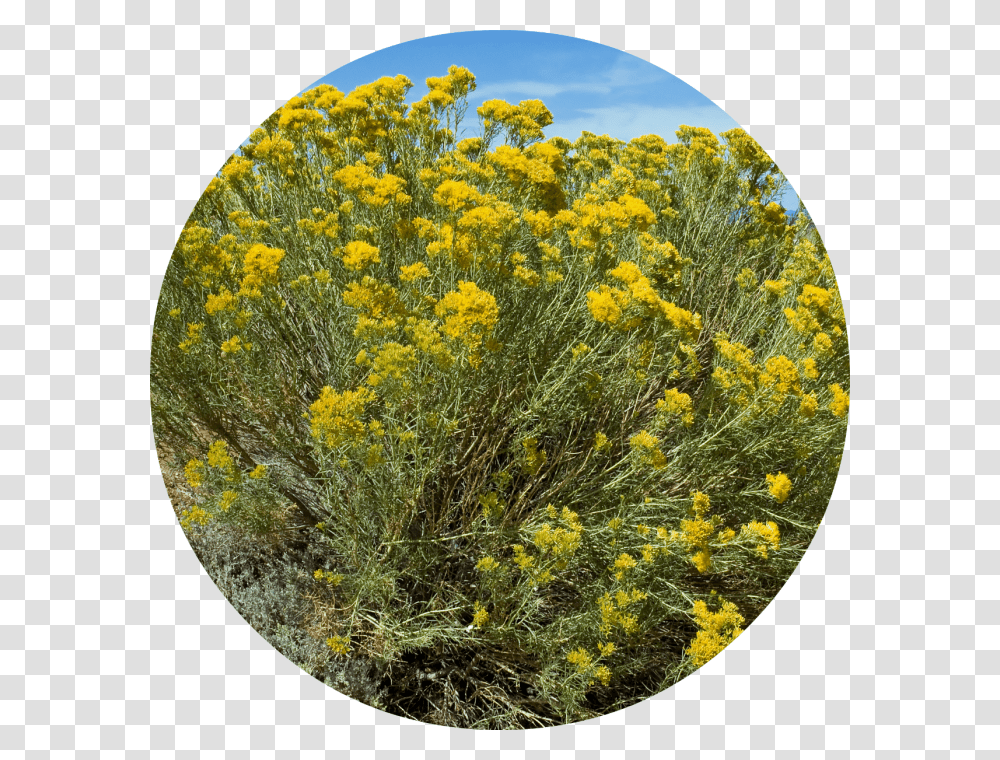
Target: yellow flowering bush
512 409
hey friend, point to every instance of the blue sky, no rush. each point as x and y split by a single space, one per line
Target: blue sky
585 85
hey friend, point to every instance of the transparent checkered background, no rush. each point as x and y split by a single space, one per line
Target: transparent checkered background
883 115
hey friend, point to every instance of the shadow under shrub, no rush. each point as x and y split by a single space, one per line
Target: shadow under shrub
499 432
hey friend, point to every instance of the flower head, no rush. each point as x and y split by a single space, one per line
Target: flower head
780 487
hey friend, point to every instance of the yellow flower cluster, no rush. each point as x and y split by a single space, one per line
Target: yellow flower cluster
623 565
481 234
487 565
295 117
646 447
767 533
523 122
339 644
260 267
581 658
199 253
273 151
697 149
808 406
663 260
780 487
820 314
628 309
376 192
359 254
480 616
194 471
457 196
234 345
194 516
414 272
227 500
593 220
697 533
613 611
336 417
746 279
676 404
841 400
379 306
767 387
601 443
561 543
584 662
326 223
392 362
444 91
218 456
492 505
425 336
328 577
237 170
193 337
221 302
534 171
533 457
468 313
718 630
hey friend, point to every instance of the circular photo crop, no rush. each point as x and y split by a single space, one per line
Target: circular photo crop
499 380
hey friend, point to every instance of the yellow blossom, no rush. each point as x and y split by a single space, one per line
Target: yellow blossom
194 471
533 457
193 337
717 631
581 658
822 344
233 345
808 406
358 255
194 516
776 288
677 404
336 417
841 400
603 673
487 565
480 617
260 266
768 535
392 361
227 500
646 447
414 272
623 565
221 302
339 644
780 488
468 313
746 279
218 455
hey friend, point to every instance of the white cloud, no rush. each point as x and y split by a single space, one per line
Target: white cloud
631 121
627 71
